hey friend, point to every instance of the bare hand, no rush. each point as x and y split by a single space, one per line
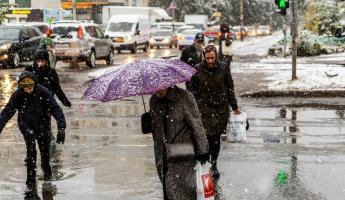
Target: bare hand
237 111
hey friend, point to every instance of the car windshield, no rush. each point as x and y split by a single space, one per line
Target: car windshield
162 33
120 27
9 33
190 32
63 30
180 30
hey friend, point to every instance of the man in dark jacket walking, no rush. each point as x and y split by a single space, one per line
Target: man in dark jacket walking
225 41
47 76
213 89
192 55
35 105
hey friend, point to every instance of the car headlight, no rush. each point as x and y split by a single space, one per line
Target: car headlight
166 40
5 47
129 38
152 40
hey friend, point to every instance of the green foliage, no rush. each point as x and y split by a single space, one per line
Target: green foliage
322 17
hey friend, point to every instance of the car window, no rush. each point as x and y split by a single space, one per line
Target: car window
120 27
91 31
32 33
25 33
42 28
62 30
99 32
161 33
9 33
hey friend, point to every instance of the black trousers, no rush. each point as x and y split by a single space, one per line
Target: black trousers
43 140
214 147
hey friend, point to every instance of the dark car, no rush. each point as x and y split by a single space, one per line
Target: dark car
18 43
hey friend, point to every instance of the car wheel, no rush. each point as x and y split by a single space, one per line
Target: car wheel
171 45
110 58
176 45
158 47
147 47
91 60
15 60
119 51
134 49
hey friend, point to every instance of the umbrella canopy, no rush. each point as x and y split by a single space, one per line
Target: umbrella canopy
139 78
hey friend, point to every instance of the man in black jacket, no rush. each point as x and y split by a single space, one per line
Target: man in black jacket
35 105
47 76
213 89
192 55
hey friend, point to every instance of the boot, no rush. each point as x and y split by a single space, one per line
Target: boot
214 170
30 190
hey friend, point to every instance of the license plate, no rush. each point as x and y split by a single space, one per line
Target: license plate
65 45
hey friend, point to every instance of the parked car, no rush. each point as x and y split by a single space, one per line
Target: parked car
163 38
77 41
129 32
187 38
18 43
180 30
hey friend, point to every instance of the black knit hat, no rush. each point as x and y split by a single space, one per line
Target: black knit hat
42 54
199 36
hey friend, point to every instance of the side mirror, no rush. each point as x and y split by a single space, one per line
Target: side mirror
137 32
106 37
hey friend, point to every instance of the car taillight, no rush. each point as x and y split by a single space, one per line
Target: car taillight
80 33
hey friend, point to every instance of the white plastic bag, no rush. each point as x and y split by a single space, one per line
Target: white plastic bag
205 188
236 129
226 50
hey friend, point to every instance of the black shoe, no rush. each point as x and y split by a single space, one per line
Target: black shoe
214 171
30 190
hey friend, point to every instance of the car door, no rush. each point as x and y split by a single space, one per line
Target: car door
93 38
25 43
104 42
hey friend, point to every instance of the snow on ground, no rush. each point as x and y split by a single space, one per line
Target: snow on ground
309 76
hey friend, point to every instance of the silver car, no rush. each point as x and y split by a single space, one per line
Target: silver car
77 41
163 38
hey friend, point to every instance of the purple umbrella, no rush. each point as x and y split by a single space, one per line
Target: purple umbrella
139 78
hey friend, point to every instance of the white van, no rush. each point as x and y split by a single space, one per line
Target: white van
129 32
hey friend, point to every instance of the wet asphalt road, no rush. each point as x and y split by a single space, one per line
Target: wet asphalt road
106 156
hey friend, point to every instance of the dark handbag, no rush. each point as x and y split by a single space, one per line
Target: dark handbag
179 152
146 123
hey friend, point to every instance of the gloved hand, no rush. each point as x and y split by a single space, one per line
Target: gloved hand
67 103
202 158
60 138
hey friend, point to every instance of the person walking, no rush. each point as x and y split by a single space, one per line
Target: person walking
192 54
175 120
213 89
47 42
225 42
35 105
47 76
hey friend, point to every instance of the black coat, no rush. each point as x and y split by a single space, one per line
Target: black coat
189 55
34 110
214 92
48 78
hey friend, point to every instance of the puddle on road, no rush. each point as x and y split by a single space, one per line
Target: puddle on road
106 156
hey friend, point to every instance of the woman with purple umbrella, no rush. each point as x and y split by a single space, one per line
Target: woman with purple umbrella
175 120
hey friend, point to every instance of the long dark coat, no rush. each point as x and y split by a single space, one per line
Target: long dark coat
214 92
34 110
183 125
48 78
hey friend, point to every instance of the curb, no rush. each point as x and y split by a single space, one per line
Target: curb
296 93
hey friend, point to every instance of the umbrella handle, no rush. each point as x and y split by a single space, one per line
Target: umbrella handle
142 97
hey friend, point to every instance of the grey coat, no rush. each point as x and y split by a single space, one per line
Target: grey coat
183 125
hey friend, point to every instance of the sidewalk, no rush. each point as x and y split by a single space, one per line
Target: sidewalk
271 77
